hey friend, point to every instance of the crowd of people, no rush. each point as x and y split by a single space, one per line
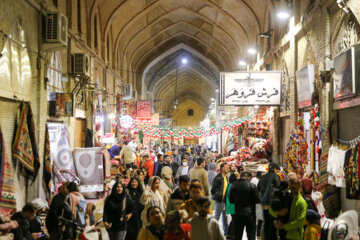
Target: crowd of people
180 192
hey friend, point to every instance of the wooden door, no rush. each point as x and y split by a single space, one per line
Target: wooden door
80 132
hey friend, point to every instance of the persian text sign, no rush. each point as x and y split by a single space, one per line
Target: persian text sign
250 88
143 109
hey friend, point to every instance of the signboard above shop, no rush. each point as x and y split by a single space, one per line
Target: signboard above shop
143 109
250 88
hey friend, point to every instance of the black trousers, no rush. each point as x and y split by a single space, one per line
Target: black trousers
269 228
259 227
241 221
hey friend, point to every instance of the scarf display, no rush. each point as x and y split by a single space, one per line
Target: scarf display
24 145
47 173
295 158
7 188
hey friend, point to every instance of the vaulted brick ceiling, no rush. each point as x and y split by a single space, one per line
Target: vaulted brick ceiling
151 36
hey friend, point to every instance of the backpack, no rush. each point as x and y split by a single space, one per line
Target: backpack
266 198
325 230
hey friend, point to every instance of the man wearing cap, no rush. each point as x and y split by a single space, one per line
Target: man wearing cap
266 186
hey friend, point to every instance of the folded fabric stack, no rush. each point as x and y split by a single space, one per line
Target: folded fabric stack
6 225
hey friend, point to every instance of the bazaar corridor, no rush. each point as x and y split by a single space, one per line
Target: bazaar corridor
179 119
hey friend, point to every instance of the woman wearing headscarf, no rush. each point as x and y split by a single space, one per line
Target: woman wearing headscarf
307 187
118 209
140 175
135 191
153 196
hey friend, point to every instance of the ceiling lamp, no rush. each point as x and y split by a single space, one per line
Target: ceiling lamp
184 61
283 14
242 63
252 50
266 34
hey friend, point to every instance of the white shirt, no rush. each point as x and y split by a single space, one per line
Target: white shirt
185 170
133 145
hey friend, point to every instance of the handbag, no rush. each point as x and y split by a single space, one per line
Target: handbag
325 230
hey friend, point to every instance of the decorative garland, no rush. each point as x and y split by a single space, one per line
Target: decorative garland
187 133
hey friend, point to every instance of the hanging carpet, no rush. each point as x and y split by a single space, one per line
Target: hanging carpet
47 173
63 164
107 164
24 145
7 188
89 167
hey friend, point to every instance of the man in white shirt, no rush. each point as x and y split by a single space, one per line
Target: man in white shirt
133 144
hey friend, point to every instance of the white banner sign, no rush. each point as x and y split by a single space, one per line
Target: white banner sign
250 88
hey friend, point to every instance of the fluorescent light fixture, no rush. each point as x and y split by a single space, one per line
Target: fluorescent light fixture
184 61
242 63
212 99
217 90
111 116
252 50
283 14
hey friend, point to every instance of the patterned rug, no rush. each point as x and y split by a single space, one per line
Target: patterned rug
32 131
89 167
22 149
63 164
47 173
107 164
7 188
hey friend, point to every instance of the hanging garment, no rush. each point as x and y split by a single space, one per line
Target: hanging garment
47 173
351 173
7 188
335 166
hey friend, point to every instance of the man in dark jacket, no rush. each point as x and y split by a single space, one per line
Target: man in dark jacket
179 196
266 186
244 195
167 162
218 192
55 210
23 218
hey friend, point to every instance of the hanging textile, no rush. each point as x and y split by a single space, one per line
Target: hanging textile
295 158
107 164
24 144
7 188
352 174
89 167
335 166
47 173
63 164
32 131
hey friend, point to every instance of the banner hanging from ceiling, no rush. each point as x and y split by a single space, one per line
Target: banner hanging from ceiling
250 88
143 109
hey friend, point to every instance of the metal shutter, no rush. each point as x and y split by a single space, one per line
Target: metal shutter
349 129
349 123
